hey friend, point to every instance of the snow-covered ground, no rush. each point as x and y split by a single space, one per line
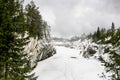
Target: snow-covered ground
68 64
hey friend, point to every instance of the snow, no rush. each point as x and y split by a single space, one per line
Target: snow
68 64
34 49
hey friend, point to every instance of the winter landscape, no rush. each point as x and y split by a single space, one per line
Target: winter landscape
68 64
59 40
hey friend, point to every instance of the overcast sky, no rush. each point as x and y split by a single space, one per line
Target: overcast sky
74 17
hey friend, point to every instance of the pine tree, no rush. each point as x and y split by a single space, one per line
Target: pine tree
110 41
113 27
14 63
98 32
113 62
96 35
34 21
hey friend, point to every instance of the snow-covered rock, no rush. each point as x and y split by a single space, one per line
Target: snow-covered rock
38 49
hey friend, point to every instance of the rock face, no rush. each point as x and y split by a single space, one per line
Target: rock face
38 50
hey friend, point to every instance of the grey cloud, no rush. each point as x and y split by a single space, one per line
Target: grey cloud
56 3
74 17
109 6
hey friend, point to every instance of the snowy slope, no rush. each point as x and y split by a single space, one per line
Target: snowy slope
67 64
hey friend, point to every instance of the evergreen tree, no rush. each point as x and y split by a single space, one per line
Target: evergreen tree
14 63
98 33
113 63
113 27
34 21
110 37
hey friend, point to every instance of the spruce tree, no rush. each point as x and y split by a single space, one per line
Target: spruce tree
14 63
113 27
98 32
112 64
34 21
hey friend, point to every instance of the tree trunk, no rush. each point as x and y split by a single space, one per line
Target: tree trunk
5 71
